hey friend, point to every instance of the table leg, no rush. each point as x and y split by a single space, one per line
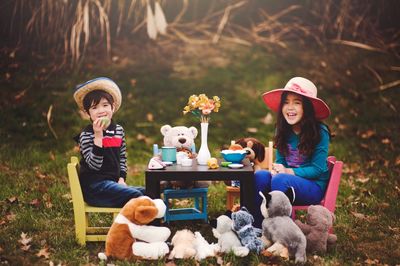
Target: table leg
152 187
247 194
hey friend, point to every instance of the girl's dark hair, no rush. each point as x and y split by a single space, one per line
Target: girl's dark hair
309 125
94 97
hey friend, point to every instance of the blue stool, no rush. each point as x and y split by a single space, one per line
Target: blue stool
186 213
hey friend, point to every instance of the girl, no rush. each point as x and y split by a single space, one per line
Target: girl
301 142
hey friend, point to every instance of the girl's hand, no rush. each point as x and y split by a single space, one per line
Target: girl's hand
278 168
122 181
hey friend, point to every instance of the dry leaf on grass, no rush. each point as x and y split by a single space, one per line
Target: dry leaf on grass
43 252
12 199
150 117
252 130
368 134
35 203
25 241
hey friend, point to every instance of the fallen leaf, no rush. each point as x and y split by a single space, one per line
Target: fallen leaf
52 156
371 261
397 162
359 215
368 134
363 180
25 242
150 117
252 130
10 217
12 199
43 252
385 141
35 203
220 260
20 95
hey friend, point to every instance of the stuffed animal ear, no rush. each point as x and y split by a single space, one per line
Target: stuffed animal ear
259 149
228 213
164 129
291 194
194 131
213 223
145 214
249 144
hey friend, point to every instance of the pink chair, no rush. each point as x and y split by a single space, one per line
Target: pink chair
329 201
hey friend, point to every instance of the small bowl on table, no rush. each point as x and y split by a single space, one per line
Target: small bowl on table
233 156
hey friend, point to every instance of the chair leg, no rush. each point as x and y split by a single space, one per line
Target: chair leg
80 228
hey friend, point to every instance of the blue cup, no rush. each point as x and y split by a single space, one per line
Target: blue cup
168 154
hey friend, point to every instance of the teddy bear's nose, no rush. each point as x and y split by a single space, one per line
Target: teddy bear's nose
182 140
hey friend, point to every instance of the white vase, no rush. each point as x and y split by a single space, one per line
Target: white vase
204 154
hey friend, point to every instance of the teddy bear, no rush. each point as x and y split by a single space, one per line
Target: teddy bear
318 222
183 242
227 238
282 236
256 152
248 235
182 138
130 237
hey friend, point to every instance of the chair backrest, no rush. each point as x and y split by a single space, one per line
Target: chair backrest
335 169
76 191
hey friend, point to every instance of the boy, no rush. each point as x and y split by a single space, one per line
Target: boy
102 145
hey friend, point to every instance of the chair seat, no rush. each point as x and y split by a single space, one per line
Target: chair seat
174 214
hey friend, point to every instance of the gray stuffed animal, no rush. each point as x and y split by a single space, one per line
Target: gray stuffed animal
279 229
242 225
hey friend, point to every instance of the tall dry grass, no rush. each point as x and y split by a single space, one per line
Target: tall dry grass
70 27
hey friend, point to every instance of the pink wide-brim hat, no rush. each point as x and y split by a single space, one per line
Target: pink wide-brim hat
301 86
102 83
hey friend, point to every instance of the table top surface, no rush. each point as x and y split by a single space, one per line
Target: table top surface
247 167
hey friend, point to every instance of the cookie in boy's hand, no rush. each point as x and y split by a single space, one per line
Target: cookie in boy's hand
105 122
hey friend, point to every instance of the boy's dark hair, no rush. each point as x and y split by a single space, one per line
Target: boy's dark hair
310 129
94 97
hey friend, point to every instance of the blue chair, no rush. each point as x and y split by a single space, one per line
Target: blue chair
186 213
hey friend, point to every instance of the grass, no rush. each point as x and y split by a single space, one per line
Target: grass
35 195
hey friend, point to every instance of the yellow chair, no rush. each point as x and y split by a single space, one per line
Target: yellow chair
83 231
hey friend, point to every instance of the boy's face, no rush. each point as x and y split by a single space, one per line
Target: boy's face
102 109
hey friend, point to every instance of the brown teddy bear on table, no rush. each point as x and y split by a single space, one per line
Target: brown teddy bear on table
130 237
257 152
319 220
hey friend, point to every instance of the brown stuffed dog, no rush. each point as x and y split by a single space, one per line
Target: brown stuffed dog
130 236
258 153
319 220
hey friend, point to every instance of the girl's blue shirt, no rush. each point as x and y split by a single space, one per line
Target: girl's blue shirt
314 167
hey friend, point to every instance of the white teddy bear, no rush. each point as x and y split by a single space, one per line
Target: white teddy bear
182 138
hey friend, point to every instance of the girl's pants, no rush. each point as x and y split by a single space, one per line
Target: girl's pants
307 191
107 193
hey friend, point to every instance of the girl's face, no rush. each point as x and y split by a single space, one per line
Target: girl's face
102 109
292 109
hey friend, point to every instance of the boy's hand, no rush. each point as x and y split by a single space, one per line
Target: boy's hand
122 181
98 132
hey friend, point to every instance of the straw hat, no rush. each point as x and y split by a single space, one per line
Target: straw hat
300 86
104 84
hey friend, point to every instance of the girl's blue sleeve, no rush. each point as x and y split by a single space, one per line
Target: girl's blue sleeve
317 164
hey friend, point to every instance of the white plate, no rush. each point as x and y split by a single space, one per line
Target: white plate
235 165
168 163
